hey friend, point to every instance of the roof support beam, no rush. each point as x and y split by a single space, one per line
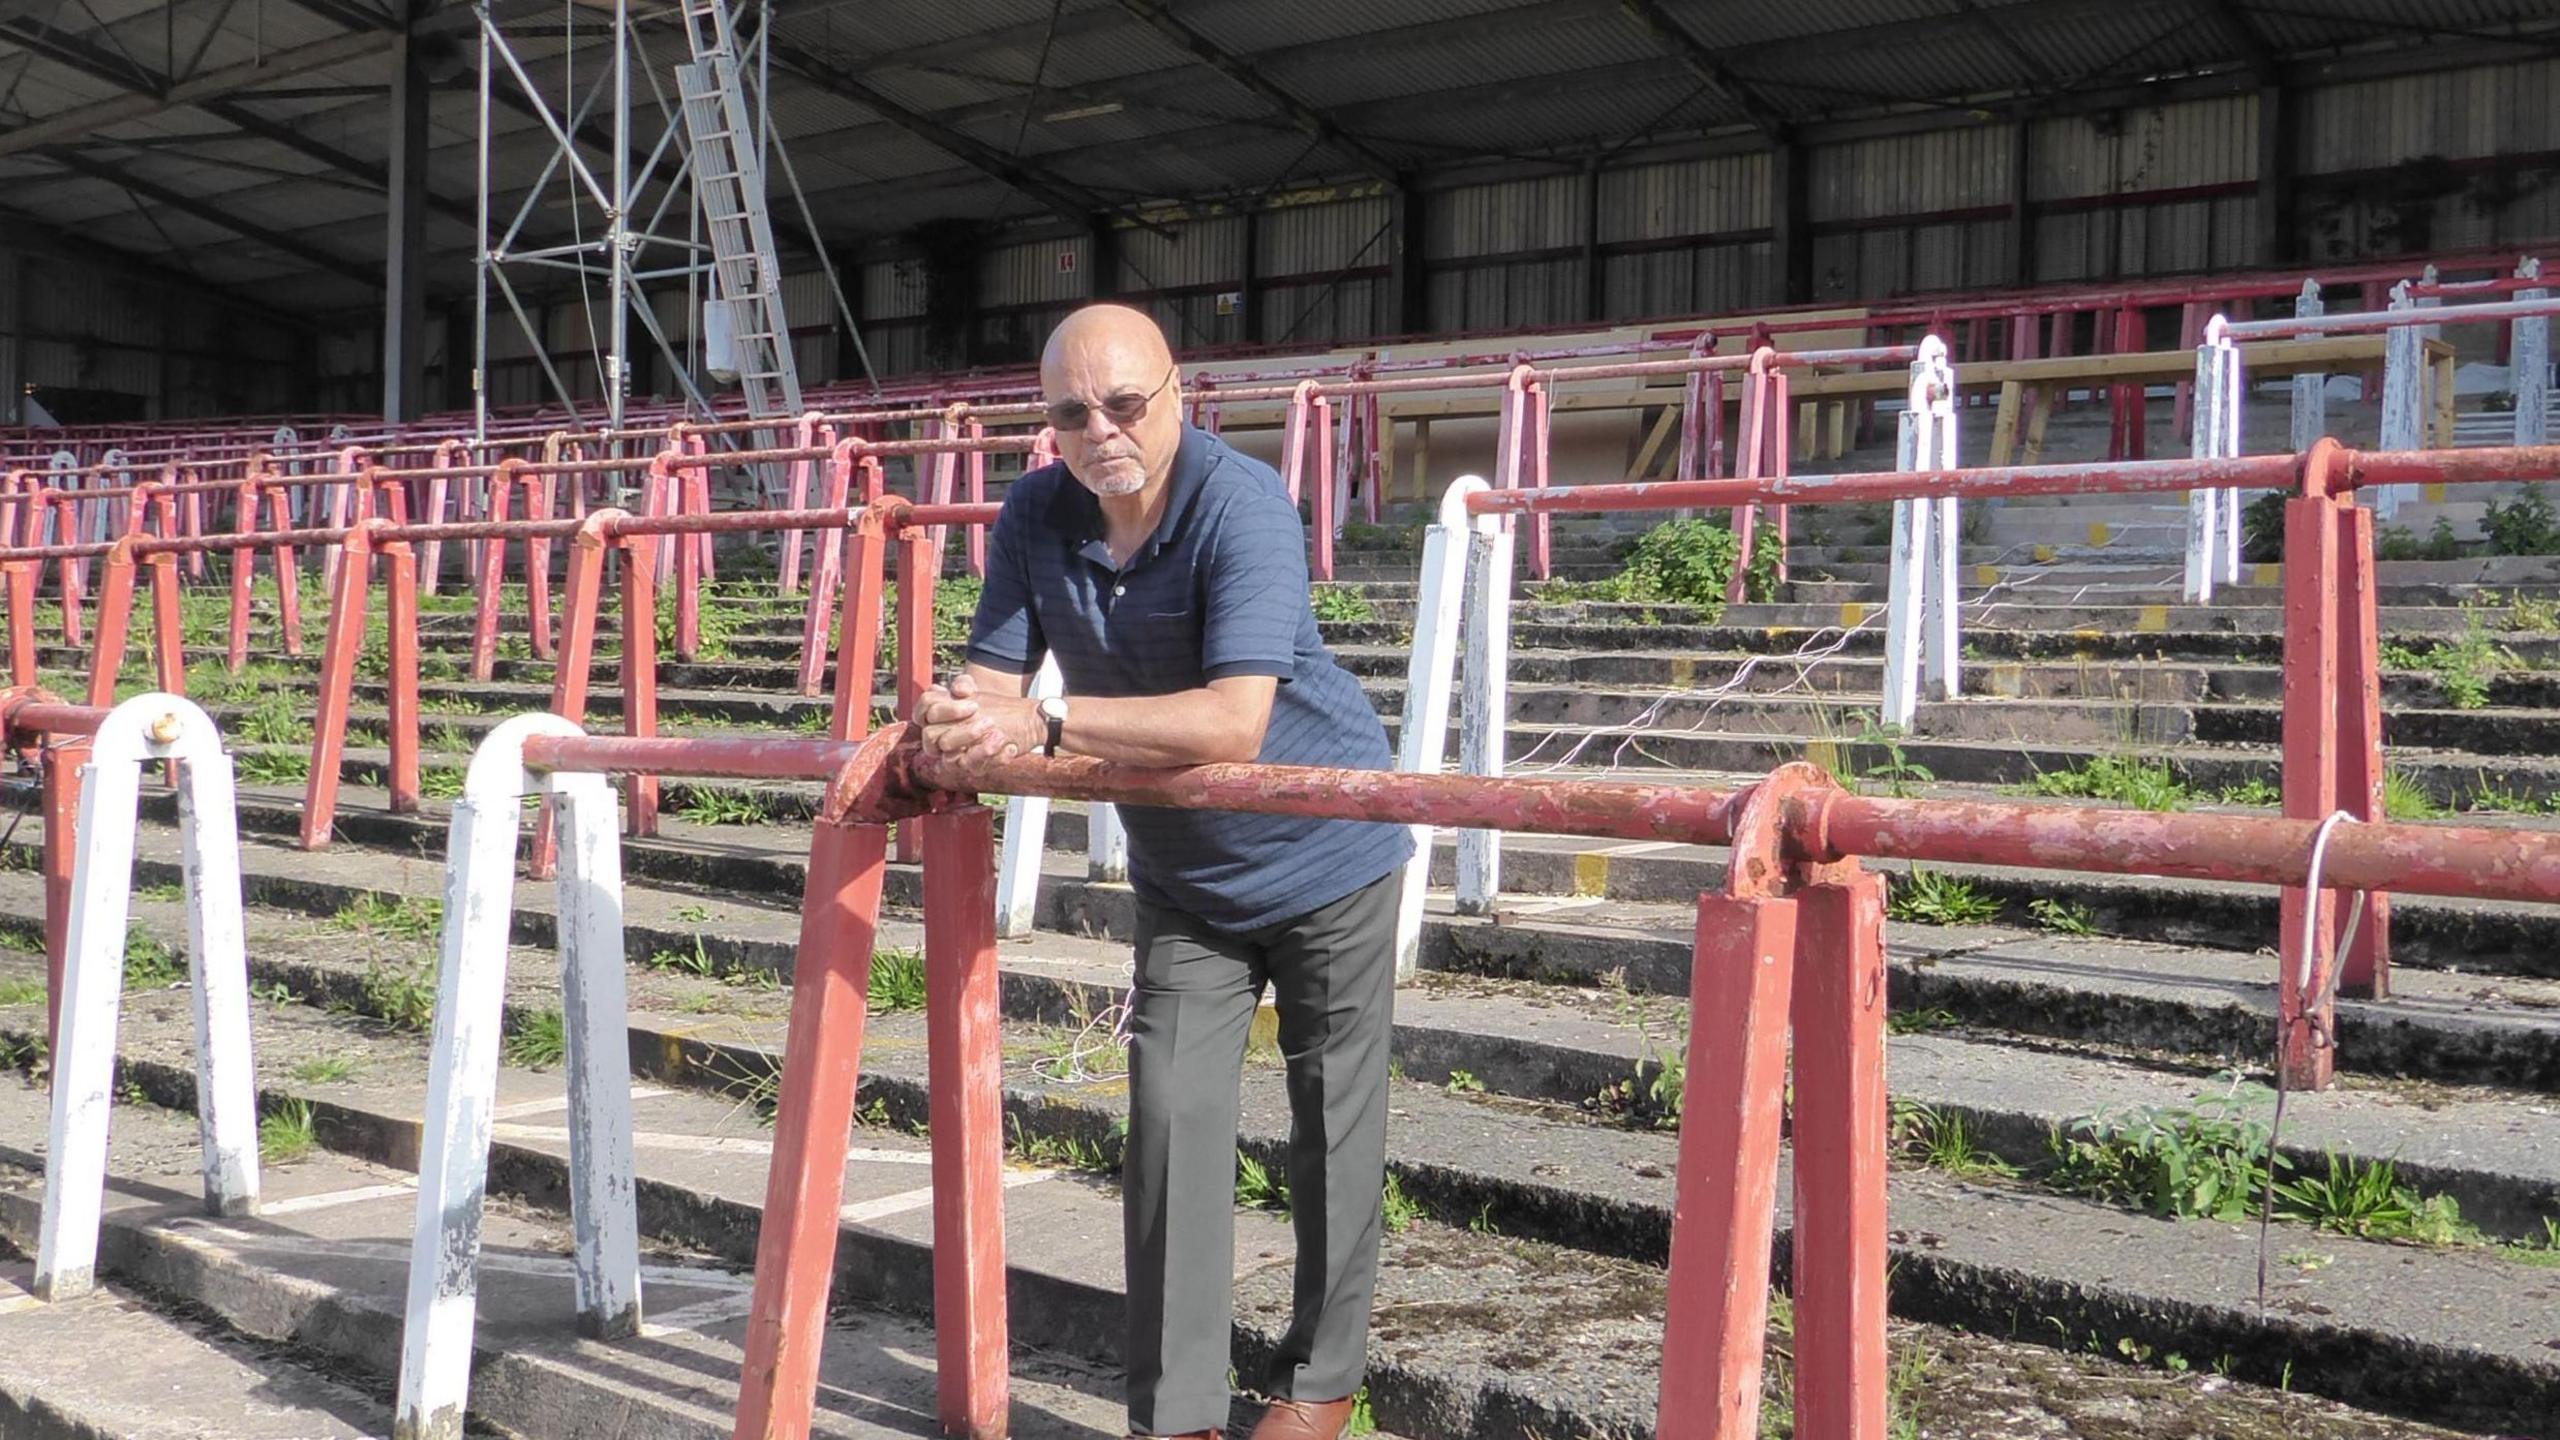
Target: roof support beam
1665 32
79 122
1235 67
301 250
1069 201
2248 43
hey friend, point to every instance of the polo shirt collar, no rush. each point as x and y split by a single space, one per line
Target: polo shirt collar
1079 512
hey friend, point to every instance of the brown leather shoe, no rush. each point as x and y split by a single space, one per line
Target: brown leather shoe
1304 1420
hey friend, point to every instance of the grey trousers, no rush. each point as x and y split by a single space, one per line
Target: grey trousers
1332 972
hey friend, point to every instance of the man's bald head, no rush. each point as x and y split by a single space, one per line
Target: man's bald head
1107 358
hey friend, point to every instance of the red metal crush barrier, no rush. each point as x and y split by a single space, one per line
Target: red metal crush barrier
1792 944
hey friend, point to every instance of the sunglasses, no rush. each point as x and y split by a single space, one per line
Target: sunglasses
1126 408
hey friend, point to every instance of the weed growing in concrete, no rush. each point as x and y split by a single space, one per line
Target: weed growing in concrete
1919 1022
401 996
1341 603
2256 790
2366 1199
150 964
440 782
275 720
2463 668
2405 797
693 914
812 720
273 767
2206 1161
1932 897
166 892
287 1133
1464 1082
2526 525
1362 1420
451 702
1401 1210
1654 1092
2532 614
2489 796
708 805
897 981
1900 774
1943 1142
539 1043
2063 917
1678 562
325 1069
1051 1152
1259 1187
402 917
21 990
2124 779
276 992
699 963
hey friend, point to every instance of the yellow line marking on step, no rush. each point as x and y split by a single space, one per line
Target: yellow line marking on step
2098 532
1590 873
863 1212
522 1108
1852 613
2267 574
2152 620
331 1200
2434 493
2044 554
1684 672
1986 575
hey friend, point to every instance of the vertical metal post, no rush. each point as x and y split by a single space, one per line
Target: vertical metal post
812 1124
337 685
916 575
65 759
1839 1130
479 292
964 1064
400 612
1726 1184
2310 392
2404 390
2529 363
640 675
617 371
1907 576
2365 967
1026 830
1485 706
2310 760
1422 741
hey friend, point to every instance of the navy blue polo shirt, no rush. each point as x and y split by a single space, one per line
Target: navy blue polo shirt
1219 589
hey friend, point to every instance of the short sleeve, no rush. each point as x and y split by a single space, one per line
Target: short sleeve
1255 598
1005 634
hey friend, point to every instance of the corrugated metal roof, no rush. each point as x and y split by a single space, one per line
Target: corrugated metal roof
1422 83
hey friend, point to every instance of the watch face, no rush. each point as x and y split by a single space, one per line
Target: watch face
1053 708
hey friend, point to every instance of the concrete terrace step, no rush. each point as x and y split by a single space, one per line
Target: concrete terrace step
1519 1336
107 1366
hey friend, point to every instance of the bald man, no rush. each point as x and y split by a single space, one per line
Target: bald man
1168 575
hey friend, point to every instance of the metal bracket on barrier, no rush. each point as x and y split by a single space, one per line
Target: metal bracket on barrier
146 728
1921 598
453 1164
1423 742
2213 516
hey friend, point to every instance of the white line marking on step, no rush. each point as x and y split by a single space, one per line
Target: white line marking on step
709 1144
862 1212
561 1102
331 1199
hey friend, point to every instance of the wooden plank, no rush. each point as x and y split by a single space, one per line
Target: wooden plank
2004 422
1651 450
2040 408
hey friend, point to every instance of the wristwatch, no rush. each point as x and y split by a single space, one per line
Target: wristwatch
1053 709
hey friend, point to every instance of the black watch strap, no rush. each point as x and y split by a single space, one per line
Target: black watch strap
1057 730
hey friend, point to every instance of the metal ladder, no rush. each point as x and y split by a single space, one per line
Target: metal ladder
729 177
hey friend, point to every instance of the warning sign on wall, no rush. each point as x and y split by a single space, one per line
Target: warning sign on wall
1066 262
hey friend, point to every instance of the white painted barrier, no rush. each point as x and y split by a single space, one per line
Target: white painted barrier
2213 516
1441 602
151 727
453 1164
1026 837
1920 652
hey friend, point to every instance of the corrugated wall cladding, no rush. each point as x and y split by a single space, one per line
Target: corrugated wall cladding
1320 239
890 290
1036 271
1716 195
2455 114
806 300
1525 294
1909 174
1542 213
1320 313
2163 147
1207 251
1716 279
70 300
